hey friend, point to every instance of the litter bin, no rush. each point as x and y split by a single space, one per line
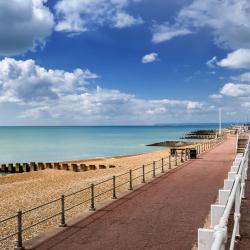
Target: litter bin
193 153
173 151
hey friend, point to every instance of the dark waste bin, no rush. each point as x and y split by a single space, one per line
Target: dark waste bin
173 151
193 153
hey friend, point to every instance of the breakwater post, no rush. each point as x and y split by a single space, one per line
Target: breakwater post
143 174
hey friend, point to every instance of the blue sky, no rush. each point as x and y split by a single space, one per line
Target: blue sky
103 62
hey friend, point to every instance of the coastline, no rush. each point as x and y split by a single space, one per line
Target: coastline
102 158
47 144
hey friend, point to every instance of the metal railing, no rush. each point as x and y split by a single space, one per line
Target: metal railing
93 192
233 192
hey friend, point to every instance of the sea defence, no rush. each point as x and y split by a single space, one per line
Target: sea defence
33 166
192 138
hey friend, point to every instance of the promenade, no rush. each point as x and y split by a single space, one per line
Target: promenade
163 214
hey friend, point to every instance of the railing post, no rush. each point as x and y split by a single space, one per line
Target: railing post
237 208
182 156
176 158
169 161
63 224
186 156
153 169
19 245
162 165
114 189
143 174
92 198
130 180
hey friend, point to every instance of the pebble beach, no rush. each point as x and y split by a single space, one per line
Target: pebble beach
28 190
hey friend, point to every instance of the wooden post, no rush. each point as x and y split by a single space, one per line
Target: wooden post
63 224
130 180
114 188
143 174
153 170
92 198
162 165
19 245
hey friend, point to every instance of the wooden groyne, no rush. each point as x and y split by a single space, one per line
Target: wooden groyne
172 144
186 140
201 134
33 166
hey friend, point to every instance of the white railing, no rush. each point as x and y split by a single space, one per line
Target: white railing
231 195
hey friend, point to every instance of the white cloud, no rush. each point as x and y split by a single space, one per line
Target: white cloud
24 81
236 60
212 62
123 20
60 97
149 58
215 96
236 90
24 25
245 105
165 32
245 77
83 15
113 106
228 20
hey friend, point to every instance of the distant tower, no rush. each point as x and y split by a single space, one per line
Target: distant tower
219 121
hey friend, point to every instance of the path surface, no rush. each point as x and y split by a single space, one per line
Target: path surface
164 214
244 244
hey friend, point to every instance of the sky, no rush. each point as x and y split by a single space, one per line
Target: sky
124 62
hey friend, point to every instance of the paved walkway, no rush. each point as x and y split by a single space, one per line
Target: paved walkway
164 214
244 243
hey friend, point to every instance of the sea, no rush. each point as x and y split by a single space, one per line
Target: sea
27 144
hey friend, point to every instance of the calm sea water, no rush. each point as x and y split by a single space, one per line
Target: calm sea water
25 144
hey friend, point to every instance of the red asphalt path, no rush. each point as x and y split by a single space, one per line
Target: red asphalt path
163 214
